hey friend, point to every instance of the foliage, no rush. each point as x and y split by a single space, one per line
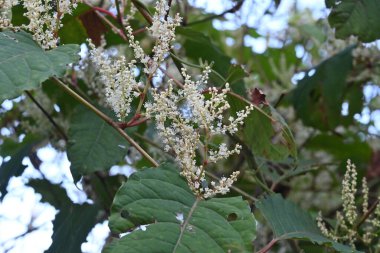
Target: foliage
233 150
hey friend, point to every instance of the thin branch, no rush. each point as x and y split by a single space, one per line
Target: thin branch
107 119
234 9
120 17
367 214
107 12
51 120
143 11
167 13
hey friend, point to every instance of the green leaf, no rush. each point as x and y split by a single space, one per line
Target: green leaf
290 222
24 65
73 222
14 166
154 197
318 98
268 135
355 17
93 144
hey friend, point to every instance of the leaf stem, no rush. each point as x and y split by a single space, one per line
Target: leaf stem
268 246
107 119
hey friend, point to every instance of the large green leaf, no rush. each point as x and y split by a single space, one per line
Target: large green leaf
318 97
268 135
73 222
93 144
355 17
290 222
24 65
157 197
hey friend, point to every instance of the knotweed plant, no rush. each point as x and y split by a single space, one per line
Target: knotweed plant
352 224
182 133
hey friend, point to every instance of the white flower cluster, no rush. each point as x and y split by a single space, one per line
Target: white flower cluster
163 30
45 18
5 12
182 117
347 229
119 80
348 192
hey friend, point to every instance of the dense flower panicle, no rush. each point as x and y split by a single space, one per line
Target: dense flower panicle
119 81
44 17
163 30
346 229
348 192
5 10
182 116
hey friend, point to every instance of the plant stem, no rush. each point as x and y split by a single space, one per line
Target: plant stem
51 120
268 246
120 17
367 214
107 119
234 9
144 12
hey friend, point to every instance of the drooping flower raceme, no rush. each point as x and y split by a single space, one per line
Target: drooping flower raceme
183 116
163 30
45 18
119 80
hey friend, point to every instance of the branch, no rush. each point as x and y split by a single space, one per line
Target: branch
367 214
107 119
51 120
144 12
232 10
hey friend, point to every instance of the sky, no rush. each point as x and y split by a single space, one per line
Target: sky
22 207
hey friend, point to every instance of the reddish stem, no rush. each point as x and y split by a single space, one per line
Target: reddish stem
135 121
268 246
105 12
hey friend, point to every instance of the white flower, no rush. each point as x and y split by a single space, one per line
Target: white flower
119 81
181 129
45 18
163 30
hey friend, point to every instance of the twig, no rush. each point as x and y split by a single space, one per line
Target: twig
167 13
120 17
51 120
95 8
143 11
234 9
107 119
367 214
